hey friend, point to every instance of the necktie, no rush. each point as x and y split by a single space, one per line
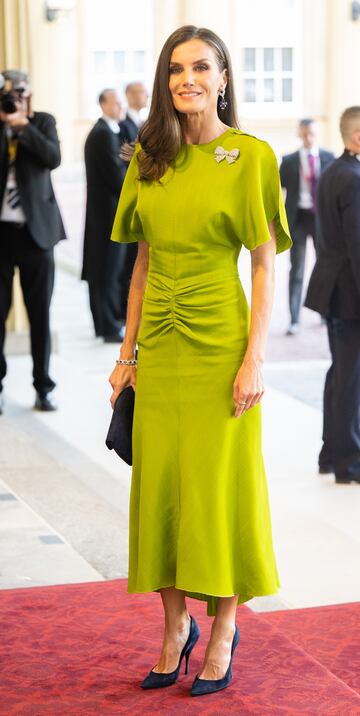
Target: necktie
12 196
313 179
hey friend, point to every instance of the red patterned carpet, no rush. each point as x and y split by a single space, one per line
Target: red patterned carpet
82 649
330 634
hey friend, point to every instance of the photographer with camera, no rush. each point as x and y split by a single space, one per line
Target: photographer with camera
30 221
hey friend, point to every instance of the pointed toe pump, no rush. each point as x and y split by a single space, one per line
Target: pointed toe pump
156 680
210 686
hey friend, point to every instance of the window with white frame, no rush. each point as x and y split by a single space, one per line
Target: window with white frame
118 49
268 74
119 66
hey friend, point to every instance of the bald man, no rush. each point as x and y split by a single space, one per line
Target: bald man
102 265
137 99
334 291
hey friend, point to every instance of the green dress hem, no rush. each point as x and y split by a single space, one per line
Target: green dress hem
210 599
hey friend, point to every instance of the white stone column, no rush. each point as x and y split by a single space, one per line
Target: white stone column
315 77
342 63
15 53
14 34
55 70
166 20
171 14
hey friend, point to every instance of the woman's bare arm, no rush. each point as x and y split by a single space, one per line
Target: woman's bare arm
248 385
124 375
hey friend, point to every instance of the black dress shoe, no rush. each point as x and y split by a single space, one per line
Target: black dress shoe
1 404
326 469
117 337
44 403
113 339
347 479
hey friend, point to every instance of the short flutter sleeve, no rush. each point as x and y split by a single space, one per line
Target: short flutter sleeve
264 202
127 226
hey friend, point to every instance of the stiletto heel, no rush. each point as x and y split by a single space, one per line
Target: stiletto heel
156 680
209 686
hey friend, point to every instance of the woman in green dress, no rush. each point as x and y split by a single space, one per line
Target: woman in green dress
196 190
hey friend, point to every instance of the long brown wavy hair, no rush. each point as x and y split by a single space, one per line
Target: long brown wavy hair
161 135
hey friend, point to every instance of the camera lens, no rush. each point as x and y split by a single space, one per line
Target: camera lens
7 104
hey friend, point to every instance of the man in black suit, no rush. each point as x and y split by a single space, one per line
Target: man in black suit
299 173
137 99
30 221
103 261
334 291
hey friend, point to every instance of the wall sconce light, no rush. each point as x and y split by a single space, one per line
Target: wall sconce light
54 9
355 11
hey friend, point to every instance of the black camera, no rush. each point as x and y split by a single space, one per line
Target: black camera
9 96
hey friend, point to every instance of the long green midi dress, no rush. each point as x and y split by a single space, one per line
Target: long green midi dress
199 513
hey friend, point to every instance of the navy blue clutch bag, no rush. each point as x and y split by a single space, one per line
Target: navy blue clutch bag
119 437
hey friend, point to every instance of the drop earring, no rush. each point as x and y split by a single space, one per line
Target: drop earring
223 103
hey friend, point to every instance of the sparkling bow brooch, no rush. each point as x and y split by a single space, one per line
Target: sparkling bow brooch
221 153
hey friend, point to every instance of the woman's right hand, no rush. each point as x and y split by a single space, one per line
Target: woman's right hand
121 377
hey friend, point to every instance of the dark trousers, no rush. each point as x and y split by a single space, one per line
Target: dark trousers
304 227
341 434
36 268
108 294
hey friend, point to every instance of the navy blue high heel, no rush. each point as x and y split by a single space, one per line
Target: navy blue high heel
156 681
209 686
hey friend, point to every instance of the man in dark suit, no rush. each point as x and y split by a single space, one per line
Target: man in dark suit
137 98
103 261
30 221
334 291
299 173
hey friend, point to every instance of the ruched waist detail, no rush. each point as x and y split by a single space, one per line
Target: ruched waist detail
210 309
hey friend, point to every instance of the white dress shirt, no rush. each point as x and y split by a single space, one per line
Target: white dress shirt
112 123
11 209
135 116
305 198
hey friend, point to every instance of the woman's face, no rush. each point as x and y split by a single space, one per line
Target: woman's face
194 77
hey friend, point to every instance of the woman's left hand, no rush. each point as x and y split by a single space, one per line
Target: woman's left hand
248 387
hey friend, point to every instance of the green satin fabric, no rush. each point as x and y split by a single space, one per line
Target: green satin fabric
199 512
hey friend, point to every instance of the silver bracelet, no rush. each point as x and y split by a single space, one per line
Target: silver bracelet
121 361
